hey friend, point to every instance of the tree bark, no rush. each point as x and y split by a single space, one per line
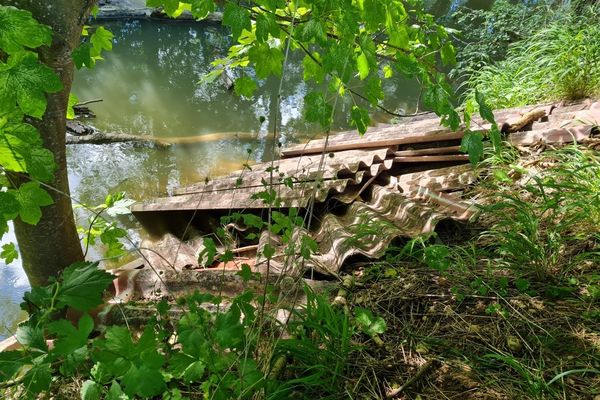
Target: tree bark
53 244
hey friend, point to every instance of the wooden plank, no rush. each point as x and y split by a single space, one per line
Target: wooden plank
386 138
424 159
429 151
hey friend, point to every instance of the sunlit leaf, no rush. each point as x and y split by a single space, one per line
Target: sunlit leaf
24 80
19 30
9 253
31 197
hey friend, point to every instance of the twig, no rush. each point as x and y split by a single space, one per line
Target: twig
85 103
396 392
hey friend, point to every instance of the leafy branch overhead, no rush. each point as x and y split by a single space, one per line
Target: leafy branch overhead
347 44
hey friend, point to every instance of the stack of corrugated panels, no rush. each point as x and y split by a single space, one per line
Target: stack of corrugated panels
358 193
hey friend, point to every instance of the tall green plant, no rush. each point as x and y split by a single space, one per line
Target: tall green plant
559 61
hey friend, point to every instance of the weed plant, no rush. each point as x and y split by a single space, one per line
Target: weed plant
560 61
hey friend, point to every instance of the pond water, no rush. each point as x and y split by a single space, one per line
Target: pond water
149 85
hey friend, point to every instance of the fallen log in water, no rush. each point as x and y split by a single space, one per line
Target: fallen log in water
114 137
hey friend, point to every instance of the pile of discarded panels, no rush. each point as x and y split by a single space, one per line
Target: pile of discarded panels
356 195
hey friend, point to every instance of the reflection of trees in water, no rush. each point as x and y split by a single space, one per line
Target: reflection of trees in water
150 85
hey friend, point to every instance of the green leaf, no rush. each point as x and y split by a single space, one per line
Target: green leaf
362 63
194 372
83 285
237 18
201 8
70 338
316 109
374 91
244 86
448 54
169 6
484 110
313 30
266 24
267 60
9 253
38 378
82 56
229 331
360 119
11 362
31 197
72 101
143 381
19 30
312 69
437 257
24 80
31 338
101 39
207 255
308 246
9 204
116 393
41 165
472 144
91 390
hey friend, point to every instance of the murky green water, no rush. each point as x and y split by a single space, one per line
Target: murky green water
149 86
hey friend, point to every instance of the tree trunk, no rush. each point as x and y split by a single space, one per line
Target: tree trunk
53 243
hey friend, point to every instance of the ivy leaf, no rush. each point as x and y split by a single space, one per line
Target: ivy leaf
267 60
484 110
31 197
316 109
18 30
91 390
9 253
360 119
237 18
472 144
83 286
244 86
24 80
70 338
